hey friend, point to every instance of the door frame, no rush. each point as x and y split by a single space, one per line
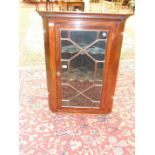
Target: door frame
104 97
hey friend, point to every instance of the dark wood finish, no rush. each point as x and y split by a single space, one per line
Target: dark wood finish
53 22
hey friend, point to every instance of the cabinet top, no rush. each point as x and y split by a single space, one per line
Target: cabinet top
84 15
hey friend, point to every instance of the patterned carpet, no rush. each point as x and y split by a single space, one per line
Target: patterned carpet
45 133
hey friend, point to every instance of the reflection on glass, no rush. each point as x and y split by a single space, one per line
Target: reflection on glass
97 50
68 49
64 69
83 38
103 35
82 65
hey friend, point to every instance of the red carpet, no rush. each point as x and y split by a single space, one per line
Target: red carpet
45 133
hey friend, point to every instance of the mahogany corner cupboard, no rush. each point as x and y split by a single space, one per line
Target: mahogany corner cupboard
82 53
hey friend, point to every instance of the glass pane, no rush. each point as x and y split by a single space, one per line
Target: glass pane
82 66
81 85
68 92
64 34
99 72
83 38
94 93
68 49
97 50
82 101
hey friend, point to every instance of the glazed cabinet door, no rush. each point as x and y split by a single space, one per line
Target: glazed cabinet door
81 55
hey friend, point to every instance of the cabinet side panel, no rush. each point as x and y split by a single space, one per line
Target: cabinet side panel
53 93
49 37
114 62
104 104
